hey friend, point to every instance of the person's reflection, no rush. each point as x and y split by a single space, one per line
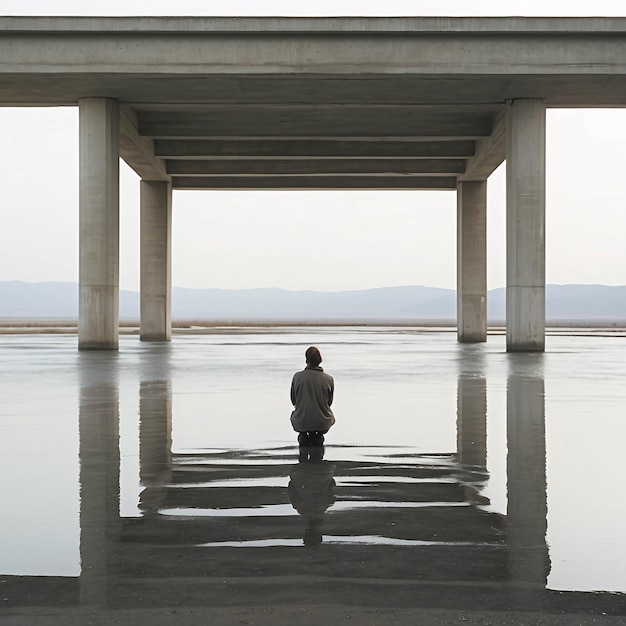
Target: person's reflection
311 490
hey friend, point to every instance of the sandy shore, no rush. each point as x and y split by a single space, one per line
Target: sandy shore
201 327
301 616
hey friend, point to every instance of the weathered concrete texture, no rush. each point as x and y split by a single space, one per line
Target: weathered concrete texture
139 150
472 261
99 224
438 45
525 225
156 261
363 87
490 152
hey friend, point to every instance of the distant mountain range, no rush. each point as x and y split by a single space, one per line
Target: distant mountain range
59 300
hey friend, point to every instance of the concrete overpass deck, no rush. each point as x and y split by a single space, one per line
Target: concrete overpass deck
315 103
297 103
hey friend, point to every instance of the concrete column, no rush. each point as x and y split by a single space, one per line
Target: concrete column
156 261
472 261
525 212
529 562
98 310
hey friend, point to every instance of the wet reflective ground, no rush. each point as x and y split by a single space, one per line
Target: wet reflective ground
457 476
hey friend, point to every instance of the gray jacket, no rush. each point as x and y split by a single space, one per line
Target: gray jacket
312 392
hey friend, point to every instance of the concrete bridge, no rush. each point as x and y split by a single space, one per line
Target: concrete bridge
312 103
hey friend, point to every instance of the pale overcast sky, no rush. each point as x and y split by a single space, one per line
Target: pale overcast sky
364 239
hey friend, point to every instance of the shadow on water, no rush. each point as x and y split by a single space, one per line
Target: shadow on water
389 526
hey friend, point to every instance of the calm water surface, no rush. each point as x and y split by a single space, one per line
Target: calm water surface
130 476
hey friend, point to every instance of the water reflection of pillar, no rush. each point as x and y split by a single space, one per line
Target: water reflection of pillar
99 477
526 480
155 441
471 424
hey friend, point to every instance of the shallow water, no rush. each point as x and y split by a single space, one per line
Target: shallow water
168 473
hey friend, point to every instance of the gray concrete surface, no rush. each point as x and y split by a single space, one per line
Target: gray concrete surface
98 313
281 87
471 261
525 225
156 260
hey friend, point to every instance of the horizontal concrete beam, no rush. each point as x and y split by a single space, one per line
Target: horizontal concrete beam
439 46
305 149
137 151
300 108
346 122
52 88
246 167
344 25
490 153
314 182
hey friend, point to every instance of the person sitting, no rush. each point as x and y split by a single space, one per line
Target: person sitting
312 392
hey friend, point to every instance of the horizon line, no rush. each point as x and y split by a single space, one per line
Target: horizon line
305 289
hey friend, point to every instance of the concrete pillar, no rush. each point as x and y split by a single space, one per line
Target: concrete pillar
98 310
525 217
472 261
156 261
529 562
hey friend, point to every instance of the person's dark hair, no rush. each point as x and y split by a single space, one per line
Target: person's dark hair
313 356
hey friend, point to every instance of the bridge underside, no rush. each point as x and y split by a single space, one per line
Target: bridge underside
289 103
